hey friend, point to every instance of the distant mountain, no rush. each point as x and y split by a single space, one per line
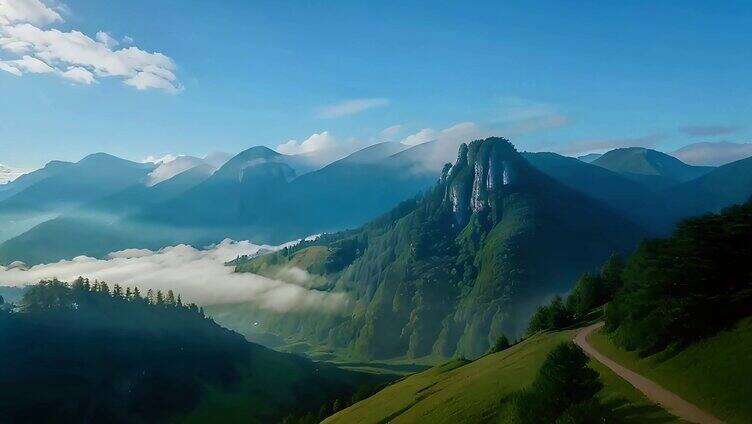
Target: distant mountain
448 273
651 167
259 195
26 180
589 158
726 185
713 154
92 177
99 227
633 199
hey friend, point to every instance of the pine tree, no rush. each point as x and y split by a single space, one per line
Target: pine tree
150 296
128 293
136 294
160 298
179 302
170 300
117 291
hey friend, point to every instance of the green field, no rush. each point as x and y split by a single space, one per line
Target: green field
715 374
477 391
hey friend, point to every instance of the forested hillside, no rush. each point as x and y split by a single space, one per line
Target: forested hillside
86 352
450 272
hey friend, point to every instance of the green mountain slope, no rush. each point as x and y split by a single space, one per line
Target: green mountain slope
469 261
480 391
650 167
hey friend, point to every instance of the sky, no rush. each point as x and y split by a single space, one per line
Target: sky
143 78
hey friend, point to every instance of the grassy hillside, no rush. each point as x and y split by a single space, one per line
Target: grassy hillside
479 391
715 373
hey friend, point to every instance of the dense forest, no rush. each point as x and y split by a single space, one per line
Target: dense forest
672 291
85 352
109 355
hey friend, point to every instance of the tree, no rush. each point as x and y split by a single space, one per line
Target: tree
563 381
150 296
558 316
502 343
336 406
117 291
179 302
170 299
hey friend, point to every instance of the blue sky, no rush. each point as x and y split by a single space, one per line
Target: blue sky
563 76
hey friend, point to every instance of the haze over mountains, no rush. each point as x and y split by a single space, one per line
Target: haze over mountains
103 204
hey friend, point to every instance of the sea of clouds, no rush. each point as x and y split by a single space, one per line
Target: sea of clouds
198 275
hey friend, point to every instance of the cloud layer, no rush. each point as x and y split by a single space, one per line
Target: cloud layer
198 275
72 55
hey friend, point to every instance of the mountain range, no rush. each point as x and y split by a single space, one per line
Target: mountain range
103 204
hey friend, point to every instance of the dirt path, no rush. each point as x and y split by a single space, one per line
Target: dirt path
666 399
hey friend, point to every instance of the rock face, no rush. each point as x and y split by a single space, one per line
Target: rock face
467 262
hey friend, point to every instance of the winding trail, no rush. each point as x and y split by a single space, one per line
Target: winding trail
664 398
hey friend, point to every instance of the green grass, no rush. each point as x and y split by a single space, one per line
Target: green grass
477 391
715 374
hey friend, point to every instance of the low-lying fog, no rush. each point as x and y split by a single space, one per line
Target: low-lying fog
198 275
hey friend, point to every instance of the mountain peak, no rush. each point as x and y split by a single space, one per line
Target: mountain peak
482 171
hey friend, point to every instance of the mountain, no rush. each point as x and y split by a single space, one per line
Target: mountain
630 198
259 195
726 185
92 177
166 170
651 167
713 154
589 158
448 273
99 227
26 180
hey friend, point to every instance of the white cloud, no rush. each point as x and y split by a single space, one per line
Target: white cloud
198 275
316 142
106 39
79 75
33 11
167 158
420 137
74 55
127 40
447 142
351 107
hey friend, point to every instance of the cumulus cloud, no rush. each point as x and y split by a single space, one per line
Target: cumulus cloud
709 130
72 54
351 107
420 137
316 142
602 145
713 154
199 276
33 11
